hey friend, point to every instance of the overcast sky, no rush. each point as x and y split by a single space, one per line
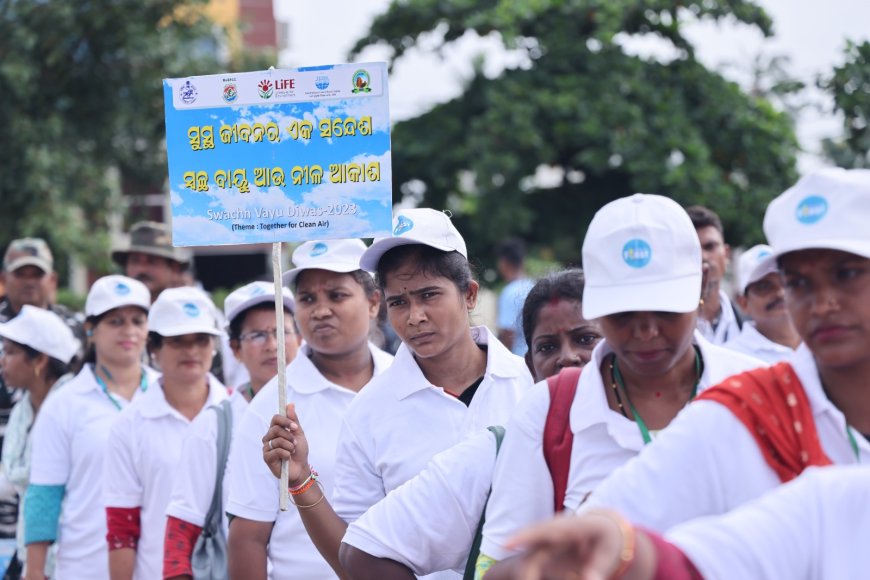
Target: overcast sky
812 34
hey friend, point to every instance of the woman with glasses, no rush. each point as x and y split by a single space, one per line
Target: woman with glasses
252 326
143 449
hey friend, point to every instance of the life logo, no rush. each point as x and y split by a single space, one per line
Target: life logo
636 253
811 209
121 289
319 249
265 88
403 224
191 310
188 93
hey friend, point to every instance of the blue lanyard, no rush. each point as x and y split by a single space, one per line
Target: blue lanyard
143 386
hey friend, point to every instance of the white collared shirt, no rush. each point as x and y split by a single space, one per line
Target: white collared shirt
812 528
708 463
753 343
70 437
727 328
400 421
141 464
254 491
603 441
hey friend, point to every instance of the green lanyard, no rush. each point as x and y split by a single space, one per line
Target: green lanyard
644 431
854 444
143 386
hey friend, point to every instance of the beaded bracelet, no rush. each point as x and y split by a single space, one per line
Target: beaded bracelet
305 485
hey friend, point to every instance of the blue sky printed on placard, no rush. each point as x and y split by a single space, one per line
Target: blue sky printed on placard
370 202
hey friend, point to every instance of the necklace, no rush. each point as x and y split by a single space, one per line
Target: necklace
143 384
618 384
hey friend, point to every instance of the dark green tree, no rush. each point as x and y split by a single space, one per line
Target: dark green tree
608 122
849 85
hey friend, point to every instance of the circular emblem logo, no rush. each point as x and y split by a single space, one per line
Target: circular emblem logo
121 289
188 93
231 93
265 88
319 249
811 209
403 224
191 310
636 253
256 291
361 81
321 82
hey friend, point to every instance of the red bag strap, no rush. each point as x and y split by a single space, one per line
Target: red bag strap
558 438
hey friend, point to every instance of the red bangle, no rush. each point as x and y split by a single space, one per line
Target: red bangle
305 485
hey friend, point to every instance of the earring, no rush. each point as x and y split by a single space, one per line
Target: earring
37 371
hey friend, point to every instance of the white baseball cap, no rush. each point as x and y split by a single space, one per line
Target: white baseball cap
185 310
828 209
334 255
417 226
641 253
115 291
754 264
253 294
43 331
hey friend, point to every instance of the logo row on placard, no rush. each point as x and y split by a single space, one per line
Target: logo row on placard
279 88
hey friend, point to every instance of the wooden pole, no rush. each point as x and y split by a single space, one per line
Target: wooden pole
282 364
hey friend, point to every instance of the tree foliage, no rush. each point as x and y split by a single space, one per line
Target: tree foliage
609 123
81 100
849 85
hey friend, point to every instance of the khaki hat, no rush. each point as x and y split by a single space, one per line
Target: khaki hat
153 238
28 252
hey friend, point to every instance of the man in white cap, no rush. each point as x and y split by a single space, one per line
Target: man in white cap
770 334
764 427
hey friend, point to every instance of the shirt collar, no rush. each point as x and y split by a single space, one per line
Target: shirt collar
758 341
304 377
154 404
805 368
500 363
86 381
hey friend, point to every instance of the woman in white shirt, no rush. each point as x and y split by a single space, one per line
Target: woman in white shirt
37 350
336 303
253 338
143 448
447 380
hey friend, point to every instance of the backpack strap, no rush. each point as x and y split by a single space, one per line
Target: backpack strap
558 437
471 563
212 524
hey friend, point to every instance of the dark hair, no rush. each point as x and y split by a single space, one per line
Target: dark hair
428 260
703 217
55 369
566 284
154 341
513 251
361 277
238 321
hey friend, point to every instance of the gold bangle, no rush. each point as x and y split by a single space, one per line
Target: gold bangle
626 553
322 496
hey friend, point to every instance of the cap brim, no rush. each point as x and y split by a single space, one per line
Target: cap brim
853 246
290 276
766 266
370 258
30 261
183 329
680 295
106 308
261 299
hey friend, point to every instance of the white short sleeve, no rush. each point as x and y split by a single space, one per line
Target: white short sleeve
705 463
520 472
358 484
195 480
449 496
51 445
253 488
122 486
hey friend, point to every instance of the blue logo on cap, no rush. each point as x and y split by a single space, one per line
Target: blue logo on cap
403 225
636 253
811 209
319 249
191 310
257 290
763 254
121 289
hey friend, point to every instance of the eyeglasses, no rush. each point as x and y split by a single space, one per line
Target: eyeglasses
259 337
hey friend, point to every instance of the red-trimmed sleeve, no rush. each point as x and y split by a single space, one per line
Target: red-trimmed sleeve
123 526
178 545
671 562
